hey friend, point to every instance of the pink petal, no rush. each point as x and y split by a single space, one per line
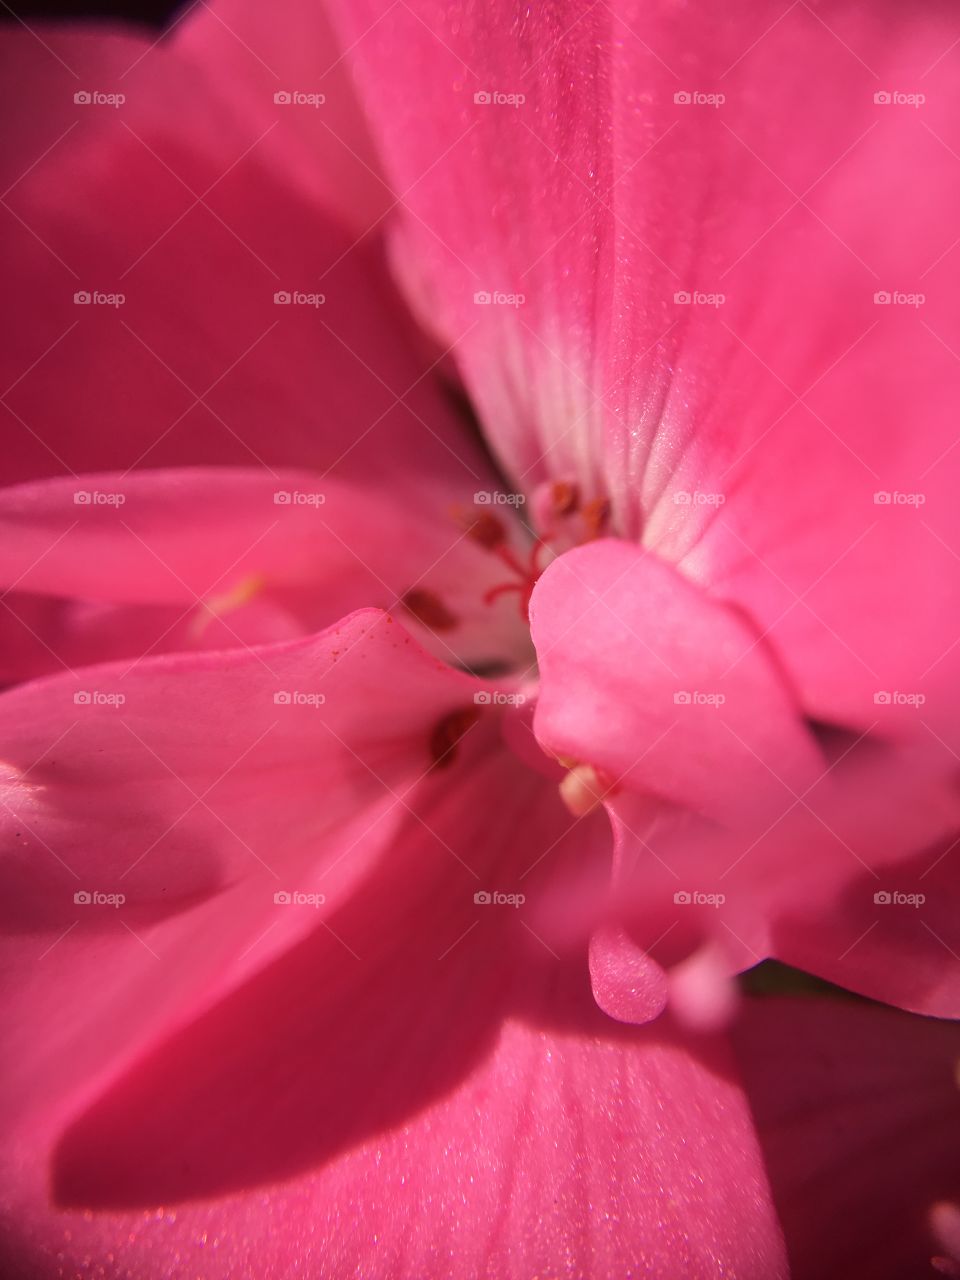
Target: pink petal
802 885
729 832
745 438
221 66
198 787
562 1138
218 540
894 935
198 365
321 146
665 690
44 635
857 1110
493 1043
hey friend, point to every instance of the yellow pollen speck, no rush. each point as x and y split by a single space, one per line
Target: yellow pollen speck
583 789
217 606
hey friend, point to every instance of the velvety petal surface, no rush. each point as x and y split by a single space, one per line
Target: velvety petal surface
734 819
707 258
664 689
218 540
195 789
245 325
219 316
857 1110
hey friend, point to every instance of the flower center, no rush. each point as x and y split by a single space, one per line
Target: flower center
565 521
561 520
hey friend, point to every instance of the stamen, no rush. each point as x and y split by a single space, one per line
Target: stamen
565 497
226 602
527 575
509 558
429 609
485 528
584 789
447 734
595 515
495 592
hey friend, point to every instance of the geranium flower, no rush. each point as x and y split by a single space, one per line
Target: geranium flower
312 883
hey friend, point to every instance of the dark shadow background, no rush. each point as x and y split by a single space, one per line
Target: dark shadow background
149 13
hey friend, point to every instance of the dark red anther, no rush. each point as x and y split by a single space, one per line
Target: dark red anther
565 497
595 515
485 528
447 734
429 609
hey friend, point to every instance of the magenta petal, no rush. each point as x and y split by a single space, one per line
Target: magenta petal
218 540
197 787
568 1137
858 1113
703 302
664 689
201 361
286 78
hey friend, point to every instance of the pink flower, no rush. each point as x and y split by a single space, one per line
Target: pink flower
859 1139
318 932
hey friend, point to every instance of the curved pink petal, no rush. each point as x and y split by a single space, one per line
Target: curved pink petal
44 635
288 79
197 787
854 880
221 75
491 1040
245 325
894 935
668 692
195 363
857 1112
735 824
216 541
567 1138
687 266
